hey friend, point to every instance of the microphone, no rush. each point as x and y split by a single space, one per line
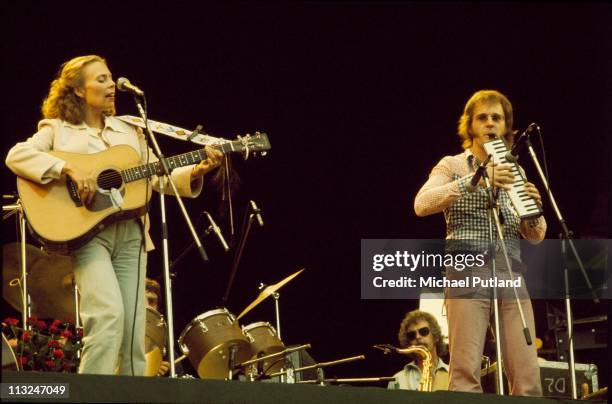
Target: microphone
480 171
257 213
213 226
124 85
512 155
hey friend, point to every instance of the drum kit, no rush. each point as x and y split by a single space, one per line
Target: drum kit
214 342
218 347
50 282
155 341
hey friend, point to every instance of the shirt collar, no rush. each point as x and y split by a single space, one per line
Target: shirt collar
440 365
112 123
81 125
471 159
109 122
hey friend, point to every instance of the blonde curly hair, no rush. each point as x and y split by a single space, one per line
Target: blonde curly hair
62 102
484 96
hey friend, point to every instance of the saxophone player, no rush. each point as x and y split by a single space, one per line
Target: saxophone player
421 329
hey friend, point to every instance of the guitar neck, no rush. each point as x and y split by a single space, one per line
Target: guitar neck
258 143
155 168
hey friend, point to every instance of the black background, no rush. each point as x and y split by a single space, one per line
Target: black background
359 100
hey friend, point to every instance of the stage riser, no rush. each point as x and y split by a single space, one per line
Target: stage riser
114 389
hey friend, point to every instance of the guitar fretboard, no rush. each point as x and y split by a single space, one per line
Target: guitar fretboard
155 168
258 143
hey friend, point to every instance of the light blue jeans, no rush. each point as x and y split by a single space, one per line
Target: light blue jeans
106 272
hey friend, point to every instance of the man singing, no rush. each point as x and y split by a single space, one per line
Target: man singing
487 115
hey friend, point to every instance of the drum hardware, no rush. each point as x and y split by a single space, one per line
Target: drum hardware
49 282
253 363
232 360
11 209
271 290
274 355
156 334
25 302
211 340
323 364
264 341
357 380
77 311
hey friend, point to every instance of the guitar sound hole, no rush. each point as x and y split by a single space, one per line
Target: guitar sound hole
109 179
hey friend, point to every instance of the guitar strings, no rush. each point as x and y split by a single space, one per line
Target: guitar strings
107 179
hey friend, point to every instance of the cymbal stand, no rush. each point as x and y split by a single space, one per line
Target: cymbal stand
77 310
25 297
232 360
276 297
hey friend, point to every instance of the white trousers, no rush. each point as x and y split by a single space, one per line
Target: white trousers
106 272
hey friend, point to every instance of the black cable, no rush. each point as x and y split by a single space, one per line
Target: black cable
544 161
262 374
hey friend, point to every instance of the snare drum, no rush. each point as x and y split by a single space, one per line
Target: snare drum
207 340
156 335
264 341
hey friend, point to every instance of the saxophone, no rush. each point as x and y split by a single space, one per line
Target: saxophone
426 383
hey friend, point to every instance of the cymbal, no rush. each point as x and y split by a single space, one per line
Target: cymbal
268 291
50 282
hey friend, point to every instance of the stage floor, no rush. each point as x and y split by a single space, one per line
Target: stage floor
115 389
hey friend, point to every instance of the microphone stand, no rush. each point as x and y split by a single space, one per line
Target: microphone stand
566 238
167 282
238 255
494 218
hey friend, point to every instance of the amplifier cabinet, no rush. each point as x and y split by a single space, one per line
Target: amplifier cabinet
555 378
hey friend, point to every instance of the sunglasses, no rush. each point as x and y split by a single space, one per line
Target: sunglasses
423 332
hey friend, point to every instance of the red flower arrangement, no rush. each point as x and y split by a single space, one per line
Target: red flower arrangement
45 347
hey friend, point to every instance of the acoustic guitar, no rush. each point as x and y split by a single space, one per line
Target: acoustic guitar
60 221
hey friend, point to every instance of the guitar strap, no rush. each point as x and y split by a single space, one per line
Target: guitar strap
173 131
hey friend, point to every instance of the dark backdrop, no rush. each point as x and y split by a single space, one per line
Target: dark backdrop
359 100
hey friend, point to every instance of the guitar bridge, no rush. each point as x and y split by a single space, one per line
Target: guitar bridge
73 192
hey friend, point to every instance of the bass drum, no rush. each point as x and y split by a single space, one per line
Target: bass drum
9 360
156 335
264 341
207 341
